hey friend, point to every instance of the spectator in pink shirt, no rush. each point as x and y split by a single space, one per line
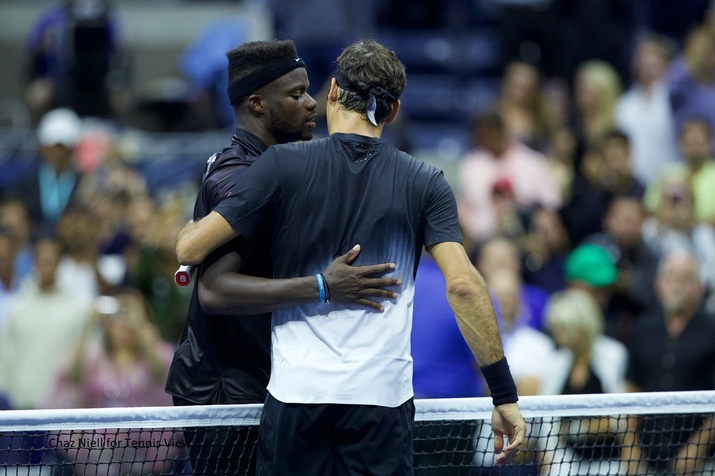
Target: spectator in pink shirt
500 160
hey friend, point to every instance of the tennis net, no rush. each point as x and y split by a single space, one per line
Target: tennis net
646 433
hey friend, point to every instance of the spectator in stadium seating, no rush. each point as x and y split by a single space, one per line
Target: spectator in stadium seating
691 78
110 183
590 268
671 349
697 168
152 266
15 220
120 361
586 362
80 268
77 58
612 171
499 160
313 417
527 114
596 90
501 253
645 114
52 188
635 259
8 278
674 226
42 327
545 247
605 172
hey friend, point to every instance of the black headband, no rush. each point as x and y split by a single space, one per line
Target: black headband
371 95
262 76
376 91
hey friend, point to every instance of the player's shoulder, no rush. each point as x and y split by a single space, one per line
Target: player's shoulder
417 166
300 146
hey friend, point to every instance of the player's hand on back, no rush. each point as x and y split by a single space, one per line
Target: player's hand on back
357 284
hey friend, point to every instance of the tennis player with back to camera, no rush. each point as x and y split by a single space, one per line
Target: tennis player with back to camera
340 396
223 354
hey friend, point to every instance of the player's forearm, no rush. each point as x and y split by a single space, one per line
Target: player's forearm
186 253
240 294
469 298
197 239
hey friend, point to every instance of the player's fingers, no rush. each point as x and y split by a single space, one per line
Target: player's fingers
350 256
375 269
511 447
503 457
378 293
515 441
370 304
498 442
382 282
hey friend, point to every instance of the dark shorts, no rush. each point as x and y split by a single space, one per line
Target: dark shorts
335 440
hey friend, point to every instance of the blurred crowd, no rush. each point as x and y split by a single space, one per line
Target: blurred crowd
586 200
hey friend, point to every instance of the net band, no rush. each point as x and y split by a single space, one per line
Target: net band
426 410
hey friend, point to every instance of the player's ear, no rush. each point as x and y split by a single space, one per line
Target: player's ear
393 112
333 91
257 103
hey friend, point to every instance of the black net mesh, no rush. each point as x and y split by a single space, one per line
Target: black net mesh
628 443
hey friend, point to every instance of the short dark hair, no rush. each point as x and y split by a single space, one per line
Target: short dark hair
616 134
694 121
489 118
367 64
253 55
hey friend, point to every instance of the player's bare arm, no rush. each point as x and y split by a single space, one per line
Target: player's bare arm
223 290
469 298
197 239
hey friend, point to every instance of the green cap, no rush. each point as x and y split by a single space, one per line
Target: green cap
592 265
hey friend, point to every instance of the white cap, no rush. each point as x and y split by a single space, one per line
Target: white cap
59 126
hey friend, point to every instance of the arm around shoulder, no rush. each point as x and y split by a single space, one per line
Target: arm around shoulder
197 239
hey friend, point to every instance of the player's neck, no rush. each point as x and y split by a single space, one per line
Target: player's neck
349 122
259 131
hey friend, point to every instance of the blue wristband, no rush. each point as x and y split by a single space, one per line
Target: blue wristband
500 382
321 287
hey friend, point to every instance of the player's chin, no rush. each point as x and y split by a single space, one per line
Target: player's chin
307 134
